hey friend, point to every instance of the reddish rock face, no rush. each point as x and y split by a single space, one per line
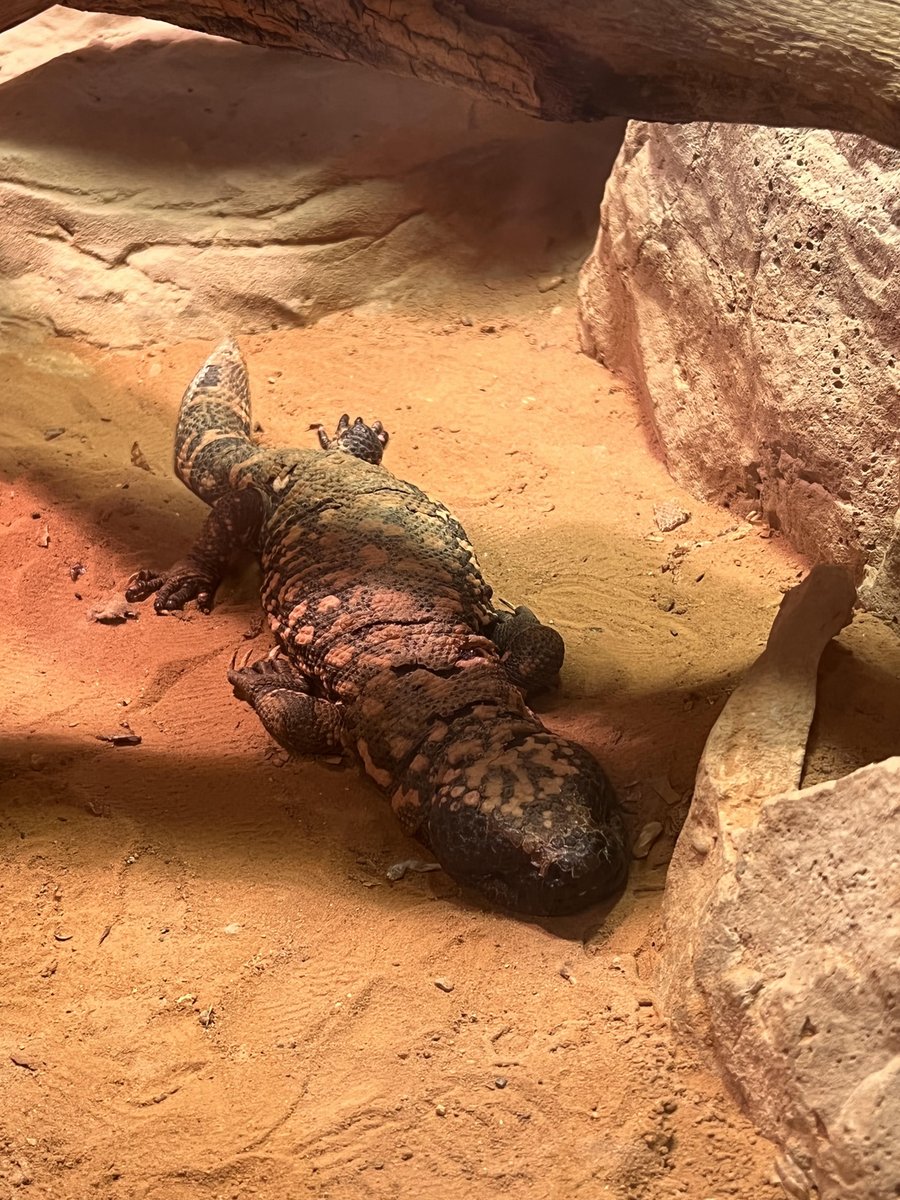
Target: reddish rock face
746 282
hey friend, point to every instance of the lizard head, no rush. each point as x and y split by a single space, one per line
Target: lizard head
528 819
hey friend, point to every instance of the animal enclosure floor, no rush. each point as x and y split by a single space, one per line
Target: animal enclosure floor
209 987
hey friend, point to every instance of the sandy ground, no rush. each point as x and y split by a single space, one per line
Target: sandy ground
209 988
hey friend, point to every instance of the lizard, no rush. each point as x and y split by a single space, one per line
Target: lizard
388 645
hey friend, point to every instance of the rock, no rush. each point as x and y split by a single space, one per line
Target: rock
669 516
745 281
800 957
355 187
782 949
646 838
113 609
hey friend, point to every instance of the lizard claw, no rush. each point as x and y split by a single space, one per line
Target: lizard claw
359 439
174 589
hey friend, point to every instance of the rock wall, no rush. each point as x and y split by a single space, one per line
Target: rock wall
161 184
746 281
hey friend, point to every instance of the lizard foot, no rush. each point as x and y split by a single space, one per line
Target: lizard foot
183 582
364 441
280 697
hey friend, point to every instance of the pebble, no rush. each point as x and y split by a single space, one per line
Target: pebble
22 1060
55 432
549 283
138 458
500 1082
120 739
665 604
444 984
701 842
112 610
232 928
669 516
646 838
440 1110
399 869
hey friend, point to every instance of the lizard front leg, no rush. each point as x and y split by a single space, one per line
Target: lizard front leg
232 525
280 697
532 653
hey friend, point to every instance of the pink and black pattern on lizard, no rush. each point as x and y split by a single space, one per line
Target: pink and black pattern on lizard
391 648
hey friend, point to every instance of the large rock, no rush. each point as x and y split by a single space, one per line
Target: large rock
797 960
160 184
746 281
781 954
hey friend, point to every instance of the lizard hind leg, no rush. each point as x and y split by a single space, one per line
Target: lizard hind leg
280 696
359 439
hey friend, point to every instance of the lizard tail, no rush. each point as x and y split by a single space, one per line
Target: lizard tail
213 433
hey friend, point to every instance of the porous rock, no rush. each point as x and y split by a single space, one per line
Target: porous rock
746 282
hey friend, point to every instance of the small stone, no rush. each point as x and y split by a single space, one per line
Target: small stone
232 928
500 1082
646 838
701 842
54 432
112 610
44 537
22 1060
444 984
406 1155
669 516
548 283
138 459
120 739
665 604
440 1110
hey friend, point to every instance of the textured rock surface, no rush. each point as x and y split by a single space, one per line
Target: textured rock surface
798 964
747 281
157 183
782 944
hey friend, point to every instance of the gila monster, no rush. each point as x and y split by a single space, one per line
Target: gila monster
388 645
